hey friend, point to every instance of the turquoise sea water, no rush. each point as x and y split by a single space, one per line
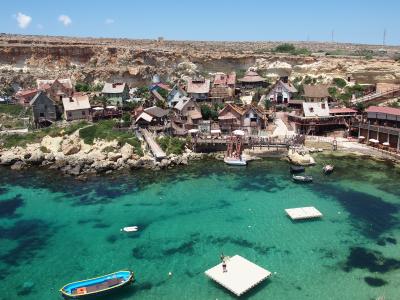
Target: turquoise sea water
54 230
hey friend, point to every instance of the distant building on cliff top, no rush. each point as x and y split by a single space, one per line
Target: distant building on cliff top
116 93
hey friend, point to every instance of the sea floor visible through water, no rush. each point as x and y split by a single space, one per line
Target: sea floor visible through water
55 230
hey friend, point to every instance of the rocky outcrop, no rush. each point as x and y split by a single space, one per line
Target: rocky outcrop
300 157
71 156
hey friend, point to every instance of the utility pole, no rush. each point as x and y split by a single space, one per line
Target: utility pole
333 36
384 37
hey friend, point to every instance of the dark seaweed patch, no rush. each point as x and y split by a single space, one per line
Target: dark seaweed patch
112 238
373 261
375 282
9 207
31 235
186 248
145 286
371 215
101 225
391 240
90 220
239 242
3 190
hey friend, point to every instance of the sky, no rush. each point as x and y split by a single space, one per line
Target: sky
356 21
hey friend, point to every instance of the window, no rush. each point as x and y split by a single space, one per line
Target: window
41 115
83 113
323 105
247 115
69 114
311 109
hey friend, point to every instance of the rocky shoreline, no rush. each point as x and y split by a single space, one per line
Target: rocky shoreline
71 156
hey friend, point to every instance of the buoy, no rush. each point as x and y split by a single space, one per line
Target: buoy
169 273
249 226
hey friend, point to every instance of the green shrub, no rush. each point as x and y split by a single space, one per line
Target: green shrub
11 109
105 130
285 48
172 145
339 82
44 149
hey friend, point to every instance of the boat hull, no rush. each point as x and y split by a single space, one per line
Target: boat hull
235 162
90 288
297 169
304 179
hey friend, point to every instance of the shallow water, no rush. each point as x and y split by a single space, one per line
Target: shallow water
55 230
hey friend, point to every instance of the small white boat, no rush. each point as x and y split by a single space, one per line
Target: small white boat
130 229
235 161
328 169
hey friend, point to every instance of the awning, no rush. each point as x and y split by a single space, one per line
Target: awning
238 132
111 107
97 108
215 131
361 137
386 144
374 141
193 130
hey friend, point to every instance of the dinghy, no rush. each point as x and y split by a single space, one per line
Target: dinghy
328 169
130 229
302 178
235 161
98 285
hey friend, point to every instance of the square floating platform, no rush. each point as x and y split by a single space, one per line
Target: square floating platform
241 275
302 213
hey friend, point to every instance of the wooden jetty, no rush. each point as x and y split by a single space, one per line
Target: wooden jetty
241 275
302 213
154 147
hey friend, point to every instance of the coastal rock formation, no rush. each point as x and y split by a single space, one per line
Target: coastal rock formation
23 59
300 158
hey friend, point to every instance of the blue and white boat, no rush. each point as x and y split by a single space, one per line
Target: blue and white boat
98 285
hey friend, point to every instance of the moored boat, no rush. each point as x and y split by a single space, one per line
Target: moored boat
296 169
235 161
130 229
328 169
302 178
98 285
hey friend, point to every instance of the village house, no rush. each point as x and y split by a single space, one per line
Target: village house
316 118
225 80
44 110
24 97
151 116
198 89
76 107
252 80
116 93
316 93
176 94
56 89
249 119
381 124
282 91
188 112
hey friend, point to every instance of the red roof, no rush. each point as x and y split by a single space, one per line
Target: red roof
343 110
26 92
383 110
223 79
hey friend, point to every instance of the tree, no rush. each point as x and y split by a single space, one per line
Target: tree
143 92
285 48
333 92
205 112
267 104
339 82
82 87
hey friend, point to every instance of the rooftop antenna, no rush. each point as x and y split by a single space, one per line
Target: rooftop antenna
384 37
